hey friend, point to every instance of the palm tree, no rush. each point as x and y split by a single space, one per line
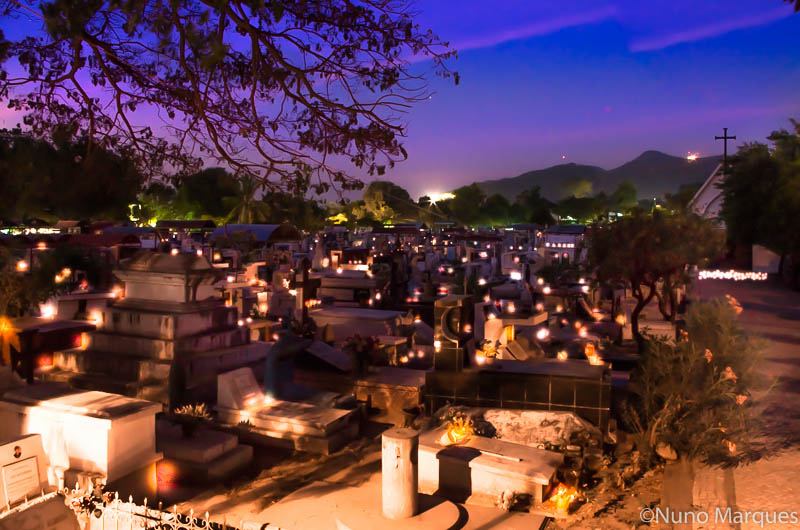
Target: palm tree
248 209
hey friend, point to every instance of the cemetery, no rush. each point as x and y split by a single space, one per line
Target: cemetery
263 267
190 374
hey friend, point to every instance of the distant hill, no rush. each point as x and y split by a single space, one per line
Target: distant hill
654 174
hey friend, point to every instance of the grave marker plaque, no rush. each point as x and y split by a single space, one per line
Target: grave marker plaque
23 469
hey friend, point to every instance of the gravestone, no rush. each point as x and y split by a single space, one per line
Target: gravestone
23 466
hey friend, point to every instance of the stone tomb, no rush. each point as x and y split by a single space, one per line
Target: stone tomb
484 467
348 321
23 470
89 435
303 426
206 455
168 337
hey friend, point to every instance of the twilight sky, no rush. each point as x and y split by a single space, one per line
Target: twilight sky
598 82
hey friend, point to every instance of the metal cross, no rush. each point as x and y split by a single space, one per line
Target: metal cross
725 139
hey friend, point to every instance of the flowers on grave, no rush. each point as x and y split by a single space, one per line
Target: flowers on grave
363 351
740 399
729 374
191 417
458 430
708 355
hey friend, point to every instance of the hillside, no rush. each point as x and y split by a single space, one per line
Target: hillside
654 174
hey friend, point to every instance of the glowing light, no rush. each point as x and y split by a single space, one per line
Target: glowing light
404 359
240 322
559 308
562 355
563 497
249 320
293 292
467 328
484 255
41 245
511 308
480 358
230 279
542 334
436 197
547 290
58 278
540 307
437 345
217 256
731 274
691 157
481 281
621 320
174 251
339 270
491 316
464 259
420 354
199 252
96 318
516 275
585 288
417 320
47 311
487 299
449 270
22 265
540 281
583 332
66 272
459 431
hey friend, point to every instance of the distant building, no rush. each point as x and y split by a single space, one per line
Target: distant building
561 242
707 202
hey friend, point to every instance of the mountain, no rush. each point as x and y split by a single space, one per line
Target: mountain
654 174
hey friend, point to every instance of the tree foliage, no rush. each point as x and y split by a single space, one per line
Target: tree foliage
63 179
387 201
279 90
533 208
762 193
644 249
697 392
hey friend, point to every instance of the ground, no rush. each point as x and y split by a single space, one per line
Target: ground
772 484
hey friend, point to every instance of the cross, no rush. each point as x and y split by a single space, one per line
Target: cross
725 139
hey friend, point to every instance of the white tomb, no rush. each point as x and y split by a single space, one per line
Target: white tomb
87 433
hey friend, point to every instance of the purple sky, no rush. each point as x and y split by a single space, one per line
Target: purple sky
597 82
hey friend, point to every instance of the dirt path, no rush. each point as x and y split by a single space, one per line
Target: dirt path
773 312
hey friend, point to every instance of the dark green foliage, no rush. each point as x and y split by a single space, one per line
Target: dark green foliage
64 179
697 392
762 193
531 207
644 249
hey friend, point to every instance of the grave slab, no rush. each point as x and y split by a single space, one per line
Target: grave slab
484 466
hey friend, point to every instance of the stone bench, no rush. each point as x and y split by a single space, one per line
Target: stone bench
484 466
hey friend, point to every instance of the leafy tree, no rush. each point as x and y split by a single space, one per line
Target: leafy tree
305 214
464 207
495 211
624 197
206 194
644 249
533 208
272 89
247 208
576 187
387 201
582 209
679 201
762 195
156 201
64 179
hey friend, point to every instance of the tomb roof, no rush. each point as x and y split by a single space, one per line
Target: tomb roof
157 262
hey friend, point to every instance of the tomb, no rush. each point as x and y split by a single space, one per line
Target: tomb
88 435
298 425
349 321
166 339
206 456
484 467
535 384
348 286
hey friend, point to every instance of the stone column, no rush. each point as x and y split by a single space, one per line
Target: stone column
399 472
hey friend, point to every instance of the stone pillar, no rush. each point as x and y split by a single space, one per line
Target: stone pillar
399 473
